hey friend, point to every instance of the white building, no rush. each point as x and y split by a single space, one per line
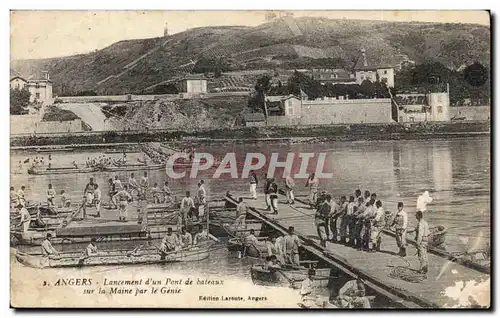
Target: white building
40 88
364 71
194 85
423 107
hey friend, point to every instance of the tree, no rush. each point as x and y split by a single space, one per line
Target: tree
19 99
262 88
368 89
166 89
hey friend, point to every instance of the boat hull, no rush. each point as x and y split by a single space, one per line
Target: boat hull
288 277
149 256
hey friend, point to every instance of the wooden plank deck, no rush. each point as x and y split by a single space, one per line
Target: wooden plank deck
376 266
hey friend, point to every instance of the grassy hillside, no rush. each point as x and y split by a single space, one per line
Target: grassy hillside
131 66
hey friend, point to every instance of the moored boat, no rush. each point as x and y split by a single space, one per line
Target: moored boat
131 257
289 277
62 170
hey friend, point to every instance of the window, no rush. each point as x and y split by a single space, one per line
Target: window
37 85
37 95
412 119
385 72
440 109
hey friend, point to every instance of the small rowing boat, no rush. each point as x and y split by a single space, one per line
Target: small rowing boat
289 277
133 257
62 170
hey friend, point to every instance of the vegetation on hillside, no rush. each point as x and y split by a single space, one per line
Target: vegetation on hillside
19 100
126 66
54 113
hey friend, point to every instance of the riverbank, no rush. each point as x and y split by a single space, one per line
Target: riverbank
292 134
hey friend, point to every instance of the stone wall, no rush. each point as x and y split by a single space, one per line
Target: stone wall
471 112
31 124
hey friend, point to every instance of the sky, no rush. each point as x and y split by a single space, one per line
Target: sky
43 34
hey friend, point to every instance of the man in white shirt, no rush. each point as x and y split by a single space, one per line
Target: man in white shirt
169 243
21 197
47 248
187 206
353 295
421 237
279 244
51 194
401 225
25 218
306 287
118 184
289 185
313 184
91 249
378 223
253 185
251 239
144 184
121 199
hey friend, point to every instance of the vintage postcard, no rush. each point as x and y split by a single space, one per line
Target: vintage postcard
250 159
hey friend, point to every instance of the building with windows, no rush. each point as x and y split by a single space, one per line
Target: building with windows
333 76
422 107
40 87
375 72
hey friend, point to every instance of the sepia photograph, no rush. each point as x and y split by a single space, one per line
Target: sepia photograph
250 159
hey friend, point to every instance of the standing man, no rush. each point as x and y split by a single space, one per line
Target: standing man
292 244
144 185
358 221
21 196
202 199
267 183
187 207
121 199
25 218
342 219
273 195
289 185
337 211
350 220
51 194
253 185
421 238
313 184
13 197
321 219
241 214
378 223
88 192
97 200
117 183
401 225
133 185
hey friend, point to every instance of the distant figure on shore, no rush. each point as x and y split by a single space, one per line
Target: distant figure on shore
423 200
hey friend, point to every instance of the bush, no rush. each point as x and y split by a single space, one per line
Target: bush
57 114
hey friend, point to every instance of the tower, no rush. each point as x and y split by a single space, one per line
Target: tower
363 54
165 31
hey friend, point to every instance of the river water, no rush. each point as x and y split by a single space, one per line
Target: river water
456 173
